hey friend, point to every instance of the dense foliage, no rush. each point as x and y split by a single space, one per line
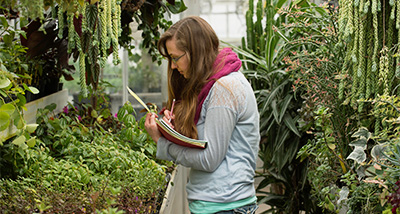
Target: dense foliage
83 159
330 126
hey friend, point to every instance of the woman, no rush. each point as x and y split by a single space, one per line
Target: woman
215 102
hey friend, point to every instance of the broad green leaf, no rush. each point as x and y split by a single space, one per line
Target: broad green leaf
4 121
19 122
33 90
31 128
142 137
4 22
130 109
362 132
31 142
22 100
7 39
4 83
120 114
358 155
377 152
19 140
177 8
360 142
7 108
343 193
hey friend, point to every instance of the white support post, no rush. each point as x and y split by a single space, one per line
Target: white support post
125 63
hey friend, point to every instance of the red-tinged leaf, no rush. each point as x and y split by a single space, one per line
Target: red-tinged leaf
29 29
39 42
78 24
62 53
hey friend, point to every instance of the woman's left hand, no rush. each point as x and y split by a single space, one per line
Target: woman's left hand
151 127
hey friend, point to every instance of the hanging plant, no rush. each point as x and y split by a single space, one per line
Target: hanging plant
370 30
95 29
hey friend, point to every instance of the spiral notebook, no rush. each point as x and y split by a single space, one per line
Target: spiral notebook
169 133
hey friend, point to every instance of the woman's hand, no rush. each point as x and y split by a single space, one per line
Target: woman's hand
168 118
151 127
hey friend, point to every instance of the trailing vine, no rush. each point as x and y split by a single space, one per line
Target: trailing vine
370 30
95 29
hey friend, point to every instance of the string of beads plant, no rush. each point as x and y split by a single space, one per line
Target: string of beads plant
370 31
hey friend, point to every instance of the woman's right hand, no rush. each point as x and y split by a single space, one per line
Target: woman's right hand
169 117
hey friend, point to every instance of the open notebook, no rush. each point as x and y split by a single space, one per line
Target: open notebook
171 134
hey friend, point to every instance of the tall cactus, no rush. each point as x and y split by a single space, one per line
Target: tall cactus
261 37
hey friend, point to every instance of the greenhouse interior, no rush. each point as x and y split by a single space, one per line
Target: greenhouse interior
81 80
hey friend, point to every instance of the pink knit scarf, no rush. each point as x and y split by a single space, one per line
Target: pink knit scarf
229 62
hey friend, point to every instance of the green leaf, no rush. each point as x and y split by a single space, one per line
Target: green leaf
7 39
4 121
19 122
91 16
280 3
377 152
344 192
4 83
7 108
177 8
332 146
4 22
94 114
358 155
31 142
362 132
19 140
290 123
121 113
360 142
51 107
31 128
33 90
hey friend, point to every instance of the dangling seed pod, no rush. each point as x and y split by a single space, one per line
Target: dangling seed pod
356 79
398 15
370 81
115 32
374 10
71 33
60 17
384 70
350 20
82 74
104 40
361 70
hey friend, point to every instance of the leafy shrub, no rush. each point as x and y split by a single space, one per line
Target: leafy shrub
77 167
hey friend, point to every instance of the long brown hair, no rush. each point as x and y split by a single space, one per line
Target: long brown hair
199 41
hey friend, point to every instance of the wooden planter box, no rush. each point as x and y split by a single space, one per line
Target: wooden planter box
60 98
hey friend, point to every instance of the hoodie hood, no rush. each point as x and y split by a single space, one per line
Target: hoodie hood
226 62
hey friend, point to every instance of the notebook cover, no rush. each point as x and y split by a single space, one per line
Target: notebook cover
179 139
